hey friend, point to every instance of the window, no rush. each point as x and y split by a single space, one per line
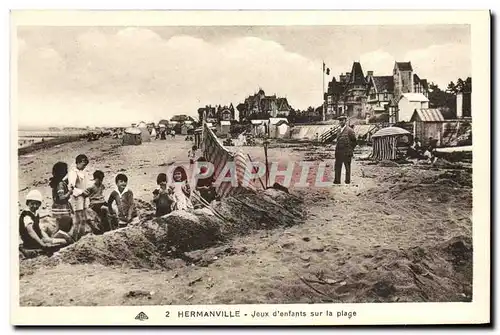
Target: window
226 116
386 97
373 96
329 99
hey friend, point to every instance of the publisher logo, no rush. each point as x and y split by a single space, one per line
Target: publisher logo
141 316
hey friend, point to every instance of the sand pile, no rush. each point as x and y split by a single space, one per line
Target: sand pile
245 211
458 178
187 231
406 275
445 187
151 243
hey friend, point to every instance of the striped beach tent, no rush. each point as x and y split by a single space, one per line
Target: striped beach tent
219 156
385 143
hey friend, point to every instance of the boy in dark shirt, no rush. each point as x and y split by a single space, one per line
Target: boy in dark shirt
97 202
123 198
162 197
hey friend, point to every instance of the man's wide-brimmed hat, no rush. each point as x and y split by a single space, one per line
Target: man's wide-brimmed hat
342 117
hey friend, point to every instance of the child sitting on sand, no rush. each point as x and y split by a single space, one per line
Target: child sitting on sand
33 237
61 207
123 198
162 198
98 205
180 190
204 186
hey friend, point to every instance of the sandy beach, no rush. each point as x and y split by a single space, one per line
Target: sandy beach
397 233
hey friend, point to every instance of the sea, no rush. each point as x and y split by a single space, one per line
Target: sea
29 137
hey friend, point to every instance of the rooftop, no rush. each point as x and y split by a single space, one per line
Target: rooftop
383 83
415 97
404 66
428 115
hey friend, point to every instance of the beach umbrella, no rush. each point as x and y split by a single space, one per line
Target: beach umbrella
391 131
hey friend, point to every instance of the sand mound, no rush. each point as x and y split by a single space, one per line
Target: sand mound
457 178
416 274
187 231
150 243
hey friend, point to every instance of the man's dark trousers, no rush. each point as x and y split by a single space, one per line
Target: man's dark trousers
339 161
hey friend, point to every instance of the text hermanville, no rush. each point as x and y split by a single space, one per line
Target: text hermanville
209 314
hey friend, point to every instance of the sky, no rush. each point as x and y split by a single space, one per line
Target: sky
115 76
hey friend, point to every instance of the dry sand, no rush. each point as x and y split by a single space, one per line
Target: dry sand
398 233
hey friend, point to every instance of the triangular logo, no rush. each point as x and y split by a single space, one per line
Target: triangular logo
141 316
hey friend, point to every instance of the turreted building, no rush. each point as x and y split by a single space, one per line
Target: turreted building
360 96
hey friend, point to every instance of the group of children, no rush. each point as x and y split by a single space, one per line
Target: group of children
178 194
416 150
78 204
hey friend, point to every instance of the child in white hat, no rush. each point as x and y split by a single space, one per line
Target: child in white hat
32 235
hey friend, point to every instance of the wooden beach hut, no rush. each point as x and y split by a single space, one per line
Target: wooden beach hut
225 128
278 128
428 123
385 142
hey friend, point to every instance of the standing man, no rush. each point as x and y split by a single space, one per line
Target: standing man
346 142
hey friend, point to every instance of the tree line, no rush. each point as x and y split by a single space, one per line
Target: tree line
462 86
447 99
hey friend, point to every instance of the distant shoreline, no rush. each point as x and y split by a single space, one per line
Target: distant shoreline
48 144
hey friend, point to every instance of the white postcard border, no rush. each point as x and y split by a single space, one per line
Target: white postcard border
477 311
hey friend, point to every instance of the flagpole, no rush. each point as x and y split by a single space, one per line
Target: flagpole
323 96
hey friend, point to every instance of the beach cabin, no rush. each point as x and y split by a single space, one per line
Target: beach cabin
259 127
408 103
389 143
197 136
224 128
428 123
132 136
278 127
186 129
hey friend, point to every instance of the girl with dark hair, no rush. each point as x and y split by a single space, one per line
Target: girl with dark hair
61 207
180 190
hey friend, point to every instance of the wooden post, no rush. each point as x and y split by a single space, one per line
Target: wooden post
267 164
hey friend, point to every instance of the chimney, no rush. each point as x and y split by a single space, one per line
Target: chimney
369 73
459 105
348 76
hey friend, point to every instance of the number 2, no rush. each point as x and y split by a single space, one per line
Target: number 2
167 314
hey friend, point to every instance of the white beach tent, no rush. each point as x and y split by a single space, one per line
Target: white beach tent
146 136
153 133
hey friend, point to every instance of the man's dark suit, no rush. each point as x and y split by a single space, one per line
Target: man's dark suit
346 142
